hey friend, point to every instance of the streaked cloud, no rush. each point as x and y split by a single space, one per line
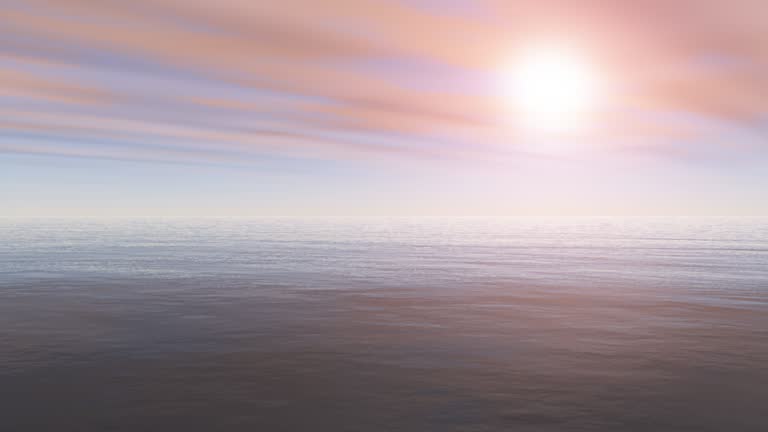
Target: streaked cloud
237 80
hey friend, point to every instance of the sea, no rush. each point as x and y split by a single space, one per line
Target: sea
434 324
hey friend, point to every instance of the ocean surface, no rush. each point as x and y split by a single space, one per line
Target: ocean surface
384 325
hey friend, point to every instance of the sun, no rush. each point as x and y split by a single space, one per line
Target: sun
552 90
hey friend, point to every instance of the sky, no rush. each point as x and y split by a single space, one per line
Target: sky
302 108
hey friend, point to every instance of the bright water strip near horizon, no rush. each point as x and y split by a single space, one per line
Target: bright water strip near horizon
391 325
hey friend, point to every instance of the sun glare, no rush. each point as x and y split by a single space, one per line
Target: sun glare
552 90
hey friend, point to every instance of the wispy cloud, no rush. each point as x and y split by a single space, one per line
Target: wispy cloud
343 79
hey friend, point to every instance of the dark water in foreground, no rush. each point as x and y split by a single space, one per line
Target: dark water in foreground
591 325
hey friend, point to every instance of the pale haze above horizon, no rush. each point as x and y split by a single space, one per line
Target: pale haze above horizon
383 108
